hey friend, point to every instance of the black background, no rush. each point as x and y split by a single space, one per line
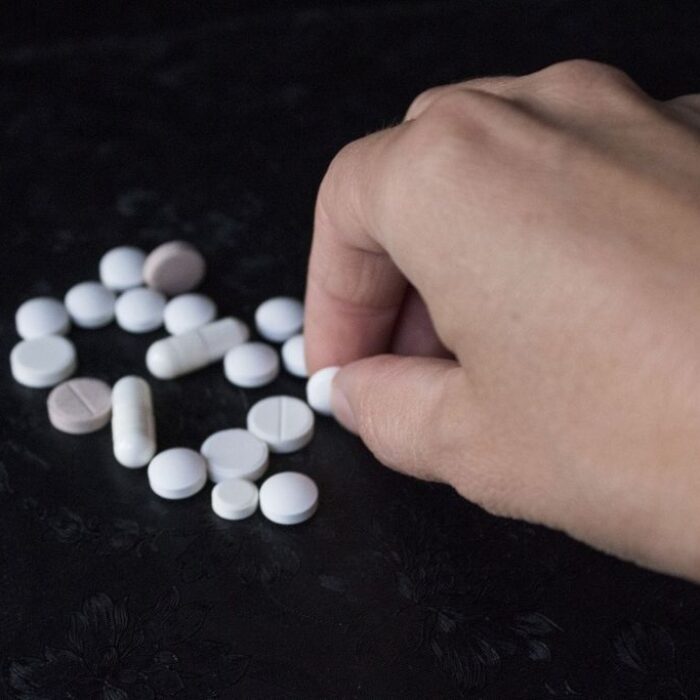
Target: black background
215 124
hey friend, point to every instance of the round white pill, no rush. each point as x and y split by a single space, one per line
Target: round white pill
43 362
188 311
41 316
286 424
90 304
279 318
122 268
251 364
177 473
288 498
293 356
140 310
318 390
234 499
235 453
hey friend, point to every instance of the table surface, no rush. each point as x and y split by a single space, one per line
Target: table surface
217 129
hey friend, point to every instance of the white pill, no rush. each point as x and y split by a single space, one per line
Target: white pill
90 304
122 268
133 422
177 473
288 498
279 318
41 316
286 424
181 354
235 453
318 390
188 311
251 365
140 310
43 362
234 499
293 356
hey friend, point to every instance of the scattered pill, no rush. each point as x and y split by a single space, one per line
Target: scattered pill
318 390
293 356
41 316
251 365
133 422
177 473
187 312
180 354
140 310
43 362
288 498
235 453
234 499
90 304
285 423
279 318
80 406
174 268
122 268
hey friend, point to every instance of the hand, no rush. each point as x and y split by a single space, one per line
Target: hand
528 249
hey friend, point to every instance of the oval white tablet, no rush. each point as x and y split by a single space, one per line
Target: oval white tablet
90 304
140 310
251 364
293 356
186 312
234 499
279 318
288 498
177 473
318 390
43 362
235 453
122 268
41 316
285 423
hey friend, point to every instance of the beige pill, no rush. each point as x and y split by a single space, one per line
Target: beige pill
174 268
80 406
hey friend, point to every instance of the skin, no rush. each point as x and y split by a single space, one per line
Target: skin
511 281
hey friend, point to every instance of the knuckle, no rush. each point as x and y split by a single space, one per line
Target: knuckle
583 75
422 101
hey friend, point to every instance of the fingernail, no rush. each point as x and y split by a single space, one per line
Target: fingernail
342 411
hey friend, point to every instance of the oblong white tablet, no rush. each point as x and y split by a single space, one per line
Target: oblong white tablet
318 390
186 312
285 423
288 498
122 268
293 356
140 310
251 365
41 316
234 499
279 318
235 453
90 304
177 473
43 362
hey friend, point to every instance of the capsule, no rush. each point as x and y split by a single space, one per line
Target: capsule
133 422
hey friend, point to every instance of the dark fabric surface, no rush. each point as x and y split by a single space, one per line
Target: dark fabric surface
216 127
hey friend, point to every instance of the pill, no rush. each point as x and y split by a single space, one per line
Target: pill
235 453
293 356
90 304
234 499
318 390
251 364
79 406
279 318
180 354
41 316
177 473
133 422
187 312
285 423
43 362
288 498
122 268
174 268
140 310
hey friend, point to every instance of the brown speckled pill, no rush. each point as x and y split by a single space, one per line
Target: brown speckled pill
80 406
174 268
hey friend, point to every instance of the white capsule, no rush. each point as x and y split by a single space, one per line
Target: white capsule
318 390
181 354
279 318
133 422
122 268
293 356
251 365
